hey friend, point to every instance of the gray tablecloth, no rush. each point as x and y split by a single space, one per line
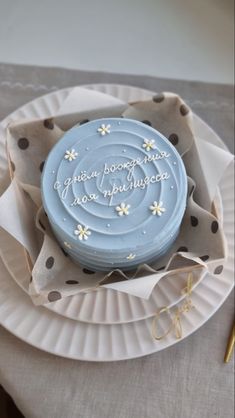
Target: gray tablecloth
188 380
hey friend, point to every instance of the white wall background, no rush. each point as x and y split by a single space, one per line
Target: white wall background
186 39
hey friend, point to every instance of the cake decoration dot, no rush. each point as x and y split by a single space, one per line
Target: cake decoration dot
82 232
174 162
172 187
70 155
104 129
87 148
123 209
143 232
149 144
124 150
108 225
157 208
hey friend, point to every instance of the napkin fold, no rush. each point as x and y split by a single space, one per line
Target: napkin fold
200 244
214 162
82 102
15 217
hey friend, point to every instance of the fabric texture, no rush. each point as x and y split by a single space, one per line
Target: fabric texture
188 379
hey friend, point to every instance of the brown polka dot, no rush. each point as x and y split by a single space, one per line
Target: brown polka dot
194 221
174 139
13 167
204 257
147 122
184 110
218 269
72 282
182 249
23 143
87 271
41 225
48 123
50 262
84 121
41 166
54 295
158 98
214 227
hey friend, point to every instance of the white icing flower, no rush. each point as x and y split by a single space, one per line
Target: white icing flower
149 144
82 232
123 209
70 155
157 208
131 256
104 129
67 245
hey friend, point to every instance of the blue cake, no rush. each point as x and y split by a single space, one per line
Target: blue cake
115 193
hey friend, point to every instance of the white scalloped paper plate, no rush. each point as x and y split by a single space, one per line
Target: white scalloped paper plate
106 306
74 339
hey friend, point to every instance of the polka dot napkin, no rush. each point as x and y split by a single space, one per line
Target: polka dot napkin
199 247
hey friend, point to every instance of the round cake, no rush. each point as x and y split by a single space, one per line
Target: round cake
115 193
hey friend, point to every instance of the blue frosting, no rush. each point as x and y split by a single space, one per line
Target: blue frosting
107 168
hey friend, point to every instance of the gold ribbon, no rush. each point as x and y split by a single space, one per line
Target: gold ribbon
175 317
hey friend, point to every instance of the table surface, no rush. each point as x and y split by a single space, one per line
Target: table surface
184 39
186 380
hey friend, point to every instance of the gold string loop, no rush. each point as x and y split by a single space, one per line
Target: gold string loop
175 317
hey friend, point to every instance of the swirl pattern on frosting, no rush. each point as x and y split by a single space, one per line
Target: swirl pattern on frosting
118 169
